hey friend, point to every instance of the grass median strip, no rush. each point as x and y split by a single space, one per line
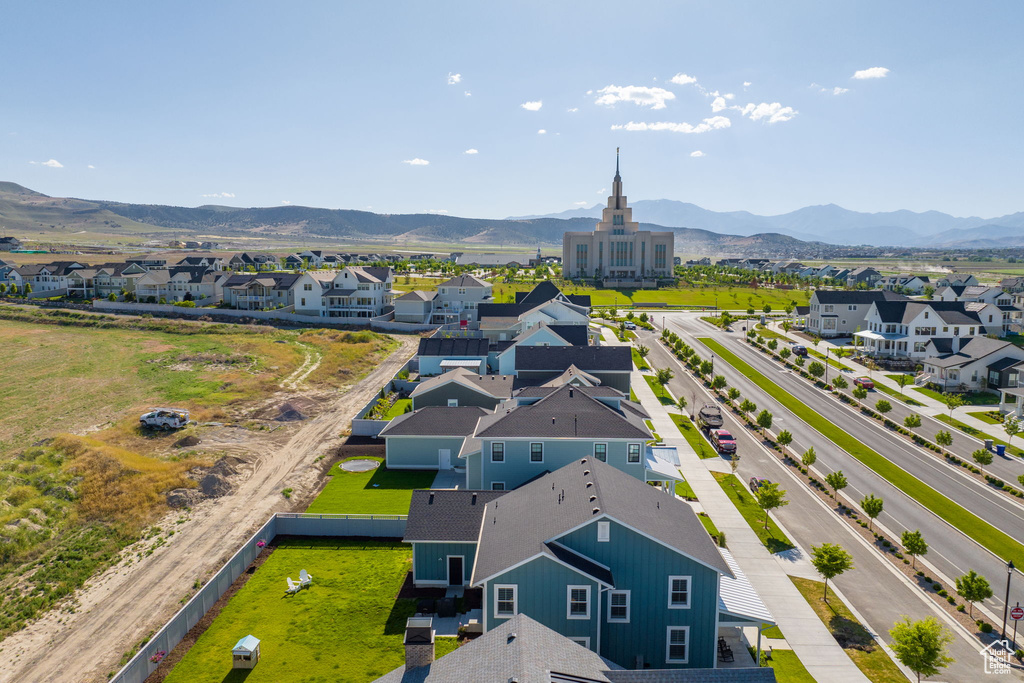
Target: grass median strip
970 524
693 436
977 433
896 395
772 537
659 391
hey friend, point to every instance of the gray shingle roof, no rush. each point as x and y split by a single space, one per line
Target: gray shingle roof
518 525
465 281
447 515
435 421
417 295
855 296
567 412
586 358
498 386
904 312
455 346
739 675
974 349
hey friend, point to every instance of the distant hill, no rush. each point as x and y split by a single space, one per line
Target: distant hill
831 224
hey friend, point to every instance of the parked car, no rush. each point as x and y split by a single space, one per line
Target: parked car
630 325
756 483
710 416
723 441
864 382
164 418
799 350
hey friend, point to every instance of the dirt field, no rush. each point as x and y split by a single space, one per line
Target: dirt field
133 598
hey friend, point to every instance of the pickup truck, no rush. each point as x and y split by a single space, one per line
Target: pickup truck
709 417
164 418
723 441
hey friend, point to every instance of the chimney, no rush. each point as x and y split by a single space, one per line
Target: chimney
419 642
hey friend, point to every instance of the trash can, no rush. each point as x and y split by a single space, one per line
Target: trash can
988 444
1001 449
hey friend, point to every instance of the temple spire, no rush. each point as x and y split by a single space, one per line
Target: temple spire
617 164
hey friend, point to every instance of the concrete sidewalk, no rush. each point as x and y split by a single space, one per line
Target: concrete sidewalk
806 635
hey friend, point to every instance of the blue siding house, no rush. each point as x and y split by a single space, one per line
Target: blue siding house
430 438
440 354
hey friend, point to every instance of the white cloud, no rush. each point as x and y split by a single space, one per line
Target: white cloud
91 166
835 91
541 132
573 110
683 79
532 106
581 203
718 104
52 163
219 195
774 112
697 153
454 78
728 95
839 91
471 151
437 211
416 162
602 190
655 98
873 72
468 94
713 123
747 84
285 201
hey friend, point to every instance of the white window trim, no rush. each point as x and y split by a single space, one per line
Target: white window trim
537 443
453 403
498 482
493 444
614 620
604 532
668 644
689 591
568 603
581 640
515 600
639 453
601 443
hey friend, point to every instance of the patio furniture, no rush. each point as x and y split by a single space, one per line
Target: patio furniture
293 587
305 580
446 607
425 606
724 651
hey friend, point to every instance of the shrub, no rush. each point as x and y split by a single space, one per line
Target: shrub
985 627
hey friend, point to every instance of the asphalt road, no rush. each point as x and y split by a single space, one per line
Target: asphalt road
951 552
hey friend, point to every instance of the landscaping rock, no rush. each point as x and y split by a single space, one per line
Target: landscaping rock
183 498
185 442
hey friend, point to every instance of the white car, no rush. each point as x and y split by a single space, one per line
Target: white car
164 418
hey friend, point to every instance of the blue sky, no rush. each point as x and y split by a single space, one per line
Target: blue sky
325 103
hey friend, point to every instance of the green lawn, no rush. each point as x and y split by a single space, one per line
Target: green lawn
693 436
831 361
399 408
772 537
640 363
970 524
977 398
650 425
978 434
632 395
986 416
347 627
659 391
708 524
771 631
895 394
788 668
683 489
726 297
865 652
377 492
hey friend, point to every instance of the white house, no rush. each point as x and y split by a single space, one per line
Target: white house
954 279
971 365
903 329
840 313
181 284
910 284
456 300
356 292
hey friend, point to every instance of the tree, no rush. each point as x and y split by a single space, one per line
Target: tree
883 406
1012 427
734 393
644 317
830 560
816 369
872 507
837 480
769 497
929 292
750 311
706 367
860 393
112 297
681 402
642 351
982 457
913 542
767 309
952 401
28 288
785 353
785 438
718 382
3 288
663 377
764 421
734 461
787 325
1020 479
773 344
921 645
809 457
748 406
14 289
973 587
903 380
840 382
790 307
944 439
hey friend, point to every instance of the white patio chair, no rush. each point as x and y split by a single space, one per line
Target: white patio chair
305 580
293 587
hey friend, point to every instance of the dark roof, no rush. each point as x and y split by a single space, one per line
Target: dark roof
567 412
195 273
586 358
942 345
521 523
465 281
502 310
1007 362
335 291
855 296
581 563
497 386
453 346
949 312
577 335
545 291
764 674
447 515
281 280
435 421
543 390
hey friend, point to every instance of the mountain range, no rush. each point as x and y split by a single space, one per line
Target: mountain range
832 224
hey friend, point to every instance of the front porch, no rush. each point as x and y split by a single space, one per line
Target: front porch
879 345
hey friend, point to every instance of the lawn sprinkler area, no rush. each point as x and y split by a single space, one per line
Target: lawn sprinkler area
372 491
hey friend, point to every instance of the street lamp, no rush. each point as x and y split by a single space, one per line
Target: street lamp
826 366
1006 603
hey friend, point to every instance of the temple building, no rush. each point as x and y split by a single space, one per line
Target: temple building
617 249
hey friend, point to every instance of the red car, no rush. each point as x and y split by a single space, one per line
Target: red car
723 441
864 382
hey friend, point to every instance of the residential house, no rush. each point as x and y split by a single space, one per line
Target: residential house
504 360
294 262
415 307
315 257
1012 285
863 275
908 284
903 329
44 277
208 262
181 284
523 650
954 279
355 292
612 365
247 261
462 387
545 303
114 278
840 313
972 364
455 301
437 355
9 243
996 305
258 291
597 556
787 267
429 438
149 263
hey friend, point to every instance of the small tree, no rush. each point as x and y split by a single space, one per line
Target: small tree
734 393
642 351
860 393
784 353
787 325
883 406
785 438
830 560
800 360
921 645
837 480
3 288
750 311
809 457
944 439
973 587
644 317
748 406
663 377
769 497
767 309
764 421
773 344
1012 427
840 382
681 402
816 369
718 382
872 507
903 380
952 401
982 457
706 367
913 542
912 421
734 461
28 288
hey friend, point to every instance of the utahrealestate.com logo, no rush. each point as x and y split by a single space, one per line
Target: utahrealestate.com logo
997 657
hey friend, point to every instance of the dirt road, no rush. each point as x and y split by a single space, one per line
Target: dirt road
135 597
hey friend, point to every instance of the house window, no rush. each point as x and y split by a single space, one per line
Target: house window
303 300
604 530
581 640
506 600
453 403
618 607
307 287
679 592
633 454
498 452
536 452
676 645
601 451
578 602
497 486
